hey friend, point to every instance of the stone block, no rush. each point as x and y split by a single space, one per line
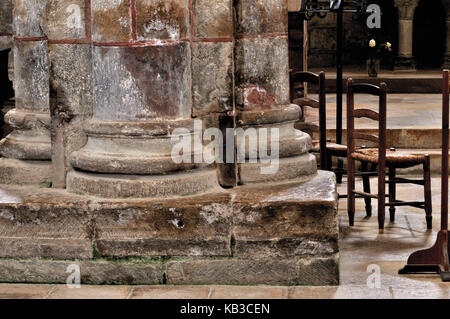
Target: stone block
212 77
138 83
256 17
199 226
302 220
64 19
44 231
6 42
162 19
272 271
111 20
263 62
95 272
27 18
6 14
213 18
71 87
31 75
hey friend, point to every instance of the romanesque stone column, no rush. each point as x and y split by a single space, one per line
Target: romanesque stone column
141 81
26 151
405 59
446 64
262 90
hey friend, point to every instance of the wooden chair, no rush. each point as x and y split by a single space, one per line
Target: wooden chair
324 147
382 158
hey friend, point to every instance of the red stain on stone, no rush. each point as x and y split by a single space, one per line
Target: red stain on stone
257 97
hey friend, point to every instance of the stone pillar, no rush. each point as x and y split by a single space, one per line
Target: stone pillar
26 151
405 59
67 26
6 36
141 80
446 64
262 89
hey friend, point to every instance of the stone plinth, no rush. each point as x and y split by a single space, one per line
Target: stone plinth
278 234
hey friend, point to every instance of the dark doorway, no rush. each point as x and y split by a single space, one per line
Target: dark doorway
429 34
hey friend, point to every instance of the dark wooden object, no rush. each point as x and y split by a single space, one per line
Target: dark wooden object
435 259
382 159
326 149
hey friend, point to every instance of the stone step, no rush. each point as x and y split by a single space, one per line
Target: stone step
273 233
420 137
421 81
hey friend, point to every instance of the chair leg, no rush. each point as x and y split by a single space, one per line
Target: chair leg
366 186
350 189
392 192
427 189
340 165
381 198
329 162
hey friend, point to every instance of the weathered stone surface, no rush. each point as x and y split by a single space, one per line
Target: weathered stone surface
212 77
72 87
263 63
186 227
134 186
138 83
6 17
111 20
64 19
44 231
31 75
292 271
25 172
283 169
98 272
261 16
162 19
6 42
282 234
213 18
300 223
27 17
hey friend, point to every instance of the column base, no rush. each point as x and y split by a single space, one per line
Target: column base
141 186
405 64
273 234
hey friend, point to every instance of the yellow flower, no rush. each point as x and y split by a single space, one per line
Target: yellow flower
388 44
372 43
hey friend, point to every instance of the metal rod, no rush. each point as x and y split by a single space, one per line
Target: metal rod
339 75
445 147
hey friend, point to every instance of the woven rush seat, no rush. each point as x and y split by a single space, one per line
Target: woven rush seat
397 158
332 148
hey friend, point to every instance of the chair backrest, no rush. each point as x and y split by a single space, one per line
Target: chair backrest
445 149
379 116
320 104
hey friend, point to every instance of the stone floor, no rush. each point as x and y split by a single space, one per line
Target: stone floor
403 111
361 246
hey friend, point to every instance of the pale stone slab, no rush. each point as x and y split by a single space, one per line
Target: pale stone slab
168 292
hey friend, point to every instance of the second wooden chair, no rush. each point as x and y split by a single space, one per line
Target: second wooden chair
382 158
